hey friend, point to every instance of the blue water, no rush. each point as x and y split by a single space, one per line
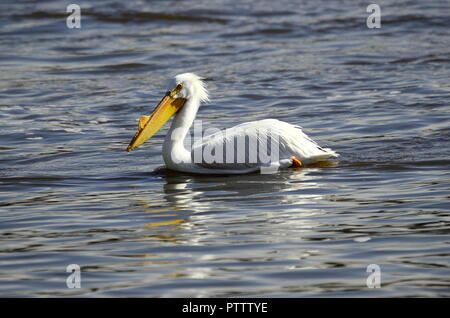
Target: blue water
70 194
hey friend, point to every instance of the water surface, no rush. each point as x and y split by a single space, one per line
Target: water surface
70 194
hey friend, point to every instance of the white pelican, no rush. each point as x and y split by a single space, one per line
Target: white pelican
291 146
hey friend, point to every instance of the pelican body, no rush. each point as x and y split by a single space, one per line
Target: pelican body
236 150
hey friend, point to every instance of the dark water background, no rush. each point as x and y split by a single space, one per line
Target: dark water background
69 100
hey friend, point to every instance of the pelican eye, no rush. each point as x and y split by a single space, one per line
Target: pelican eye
176 90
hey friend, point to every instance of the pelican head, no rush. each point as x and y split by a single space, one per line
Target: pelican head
192 86
183 89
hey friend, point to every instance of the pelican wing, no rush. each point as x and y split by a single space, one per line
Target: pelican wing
251 145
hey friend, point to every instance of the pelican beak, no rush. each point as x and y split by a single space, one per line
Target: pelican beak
149 125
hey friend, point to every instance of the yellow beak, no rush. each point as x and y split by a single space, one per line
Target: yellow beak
150 125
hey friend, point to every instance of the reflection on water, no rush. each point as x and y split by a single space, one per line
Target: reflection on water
191 198
70 194
194 216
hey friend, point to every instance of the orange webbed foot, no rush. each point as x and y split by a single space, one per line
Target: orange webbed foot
296 163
